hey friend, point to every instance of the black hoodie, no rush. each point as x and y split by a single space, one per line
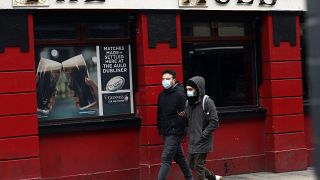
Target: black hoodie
170 102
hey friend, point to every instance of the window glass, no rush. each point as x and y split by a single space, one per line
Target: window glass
83 81
81 78
231 29
201 29
228 70
106 30
57 30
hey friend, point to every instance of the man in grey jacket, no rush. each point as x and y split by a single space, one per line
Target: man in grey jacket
202 121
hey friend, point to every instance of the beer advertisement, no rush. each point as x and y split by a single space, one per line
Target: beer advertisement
115 77
75 82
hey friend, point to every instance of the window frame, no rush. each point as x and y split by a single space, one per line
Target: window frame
95 122
232 111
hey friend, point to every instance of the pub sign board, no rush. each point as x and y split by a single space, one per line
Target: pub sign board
217 5
203 3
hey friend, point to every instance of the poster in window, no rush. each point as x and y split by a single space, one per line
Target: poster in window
115 80
71 83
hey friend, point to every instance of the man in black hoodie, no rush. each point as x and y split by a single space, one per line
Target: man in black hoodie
171 126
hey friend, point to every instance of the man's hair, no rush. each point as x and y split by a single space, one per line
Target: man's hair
169 71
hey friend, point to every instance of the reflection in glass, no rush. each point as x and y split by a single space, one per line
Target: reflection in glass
231 29
107 30
229 71
59 30
201 29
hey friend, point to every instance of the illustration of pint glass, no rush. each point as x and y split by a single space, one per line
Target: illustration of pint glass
48 74
76 72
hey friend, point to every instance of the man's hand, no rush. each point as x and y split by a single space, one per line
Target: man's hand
181 114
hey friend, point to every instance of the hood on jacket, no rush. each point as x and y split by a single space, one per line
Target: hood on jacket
200 82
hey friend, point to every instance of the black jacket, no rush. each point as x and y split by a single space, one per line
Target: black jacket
170 102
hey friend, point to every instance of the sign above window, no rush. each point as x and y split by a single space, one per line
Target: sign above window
193 3
203 3
216 5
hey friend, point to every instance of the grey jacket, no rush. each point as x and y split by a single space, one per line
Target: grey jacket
200 125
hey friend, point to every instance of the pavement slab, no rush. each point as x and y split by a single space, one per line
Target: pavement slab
293 175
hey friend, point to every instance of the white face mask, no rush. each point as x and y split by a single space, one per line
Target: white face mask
166 83
190 93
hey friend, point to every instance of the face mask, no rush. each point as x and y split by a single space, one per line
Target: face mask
166 84
190 93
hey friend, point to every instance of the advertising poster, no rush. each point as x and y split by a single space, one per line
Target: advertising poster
77 82
116 80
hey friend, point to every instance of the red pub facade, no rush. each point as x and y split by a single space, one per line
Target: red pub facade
251 54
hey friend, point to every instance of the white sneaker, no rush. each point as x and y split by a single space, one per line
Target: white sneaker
218 177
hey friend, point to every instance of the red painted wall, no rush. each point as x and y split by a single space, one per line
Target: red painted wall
19 142
281 94
105 154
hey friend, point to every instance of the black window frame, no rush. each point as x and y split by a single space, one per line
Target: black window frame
304 58
80 18
232 112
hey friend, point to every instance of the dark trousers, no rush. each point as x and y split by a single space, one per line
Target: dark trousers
173 151
197 162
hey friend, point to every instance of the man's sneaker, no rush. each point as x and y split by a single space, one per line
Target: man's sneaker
218 177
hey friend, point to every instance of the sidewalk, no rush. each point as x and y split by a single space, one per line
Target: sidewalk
294 175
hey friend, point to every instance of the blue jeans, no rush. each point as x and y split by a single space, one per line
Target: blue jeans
173 151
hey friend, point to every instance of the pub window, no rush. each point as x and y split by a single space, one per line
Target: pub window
84 66
226 59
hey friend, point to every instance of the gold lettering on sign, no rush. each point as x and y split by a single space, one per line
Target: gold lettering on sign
193 3
17 3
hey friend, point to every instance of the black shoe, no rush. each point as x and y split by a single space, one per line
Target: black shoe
211 177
